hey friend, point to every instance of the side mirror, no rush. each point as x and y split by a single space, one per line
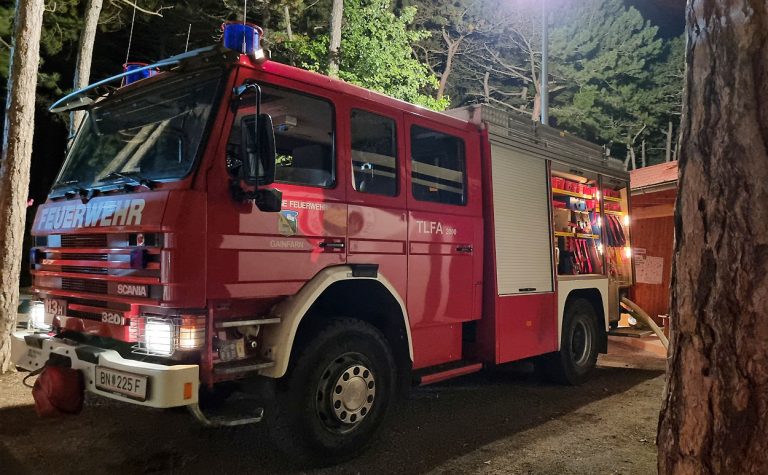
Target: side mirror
258 151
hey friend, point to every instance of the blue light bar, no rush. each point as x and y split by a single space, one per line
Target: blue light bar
78 99
241 37
138 75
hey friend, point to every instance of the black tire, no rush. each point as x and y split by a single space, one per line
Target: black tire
317 421
579 344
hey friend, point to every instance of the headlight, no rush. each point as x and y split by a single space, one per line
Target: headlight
163 336
37 317
159 336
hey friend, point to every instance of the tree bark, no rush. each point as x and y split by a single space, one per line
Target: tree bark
642 154
15 160
337 13
287 17
668 155
84 56
714 417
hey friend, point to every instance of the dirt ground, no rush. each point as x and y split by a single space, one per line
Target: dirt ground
499 422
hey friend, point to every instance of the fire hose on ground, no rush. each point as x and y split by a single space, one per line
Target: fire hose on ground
642 316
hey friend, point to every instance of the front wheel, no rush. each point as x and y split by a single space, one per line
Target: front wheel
577 357
336 393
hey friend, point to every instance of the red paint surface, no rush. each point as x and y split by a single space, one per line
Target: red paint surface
451 373
526 325
434 345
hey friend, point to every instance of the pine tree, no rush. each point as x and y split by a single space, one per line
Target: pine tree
603 54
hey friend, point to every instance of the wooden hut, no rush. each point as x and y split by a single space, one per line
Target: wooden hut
654 191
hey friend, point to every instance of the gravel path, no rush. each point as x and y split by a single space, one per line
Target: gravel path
497 422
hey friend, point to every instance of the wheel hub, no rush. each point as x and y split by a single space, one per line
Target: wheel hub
353 394
581 344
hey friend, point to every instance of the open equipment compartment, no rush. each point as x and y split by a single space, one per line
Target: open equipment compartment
590 215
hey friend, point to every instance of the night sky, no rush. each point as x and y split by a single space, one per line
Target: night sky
668 15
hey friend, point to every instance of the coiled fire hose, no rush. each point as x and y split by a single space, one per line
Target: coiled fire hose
640 314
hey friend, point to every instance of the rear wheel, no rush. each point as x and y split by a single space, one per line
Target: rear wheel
577 357
336 393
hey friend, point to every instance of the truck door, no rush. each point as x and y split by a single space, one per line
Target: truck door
278 252
444 239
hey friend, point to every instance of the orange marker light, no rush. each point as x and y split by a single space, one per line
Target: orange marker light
187 391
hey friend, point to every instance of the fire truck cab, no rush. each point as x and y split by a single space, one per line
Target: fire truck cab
234 222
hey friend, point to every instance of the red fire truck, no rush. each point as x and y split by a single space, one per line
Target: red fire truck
232 223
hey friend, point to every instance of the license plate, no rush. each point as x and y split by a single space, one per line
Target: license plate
127 384
55 308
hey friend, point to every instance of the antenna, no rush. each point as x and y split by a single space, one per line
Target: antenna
245 14
189 30
130 36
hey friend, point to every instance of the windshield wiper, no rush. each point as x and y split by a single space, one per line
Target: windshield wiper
74 189
64 184
135 178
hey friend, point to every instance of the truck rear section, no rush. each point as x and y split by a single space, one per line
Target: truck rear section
558 245
273 231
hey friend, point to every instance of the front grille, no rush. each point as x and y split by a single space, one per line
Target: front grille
85 270
80 285
56 269
84 257
97 303
80 314
84 240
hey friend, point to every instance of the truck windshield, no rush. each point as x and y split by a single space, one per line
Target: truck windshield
152 133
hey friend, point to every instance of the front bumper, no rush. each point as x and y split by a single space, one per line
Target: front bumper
166 384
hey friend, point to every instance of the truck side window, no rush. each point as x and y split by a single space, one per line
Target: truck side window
374 153
438 167
304 136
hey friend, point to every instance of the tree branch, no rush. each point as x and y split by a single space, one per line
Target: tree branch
143 10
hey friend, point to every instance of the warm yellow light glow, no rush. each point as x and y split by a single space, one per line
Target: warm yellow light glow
597 194
599 221
628 252
191 333
626 220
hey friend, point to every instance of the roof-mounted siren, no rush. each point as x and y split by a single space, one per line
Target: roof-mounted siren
141 73
244 38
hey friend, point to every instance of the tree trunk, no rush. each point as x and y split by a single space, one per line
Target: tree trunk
452 47
630 163
486 87
536 110
15 161
714 417
287 16
337 13
668 155
84 56
642 154
678 143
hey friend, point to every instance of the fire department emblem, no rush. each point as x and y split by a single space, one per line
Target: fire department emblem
288 222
